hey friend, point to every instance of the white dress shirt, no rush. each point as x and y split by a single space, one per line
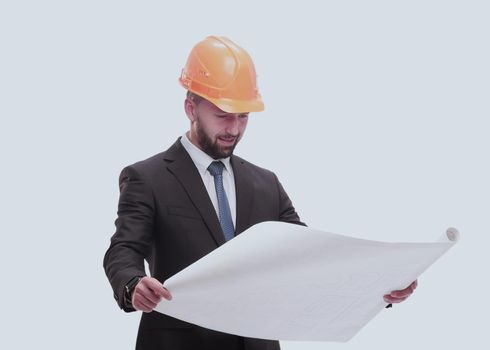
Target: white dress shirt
202 161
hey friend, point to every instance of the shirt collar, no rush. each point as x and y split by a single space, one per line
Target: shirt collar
201 159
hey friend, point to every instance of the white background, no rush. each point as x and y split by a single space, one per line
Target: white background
376 123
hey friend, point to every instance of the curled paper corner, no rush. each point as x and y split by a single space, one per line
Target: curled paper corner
452 234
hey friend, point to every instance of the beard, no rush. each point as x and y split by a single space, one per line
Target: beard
212 147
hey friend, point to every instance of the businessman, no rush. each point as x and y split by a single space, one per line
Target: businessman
181 204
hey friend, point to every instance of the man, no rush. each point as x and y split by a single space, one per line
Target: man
181 204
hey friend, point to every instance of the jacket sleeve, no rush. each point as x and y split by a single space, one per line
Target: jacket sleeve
132 241
287 213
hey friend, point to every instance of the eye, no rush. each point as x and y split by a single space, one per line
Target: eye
243 116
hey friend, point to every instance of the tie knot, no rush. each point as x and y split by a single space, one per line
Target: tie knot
216 168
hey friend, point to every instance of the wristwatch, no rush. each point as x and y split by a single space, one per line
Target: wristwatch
129 289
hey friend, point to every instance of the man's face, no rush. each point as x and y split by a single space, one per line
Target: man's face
214 131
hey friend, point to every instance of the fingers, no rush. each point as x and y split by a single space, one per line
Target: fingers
397 296
148 293
391 300
140 303
156 287
402 293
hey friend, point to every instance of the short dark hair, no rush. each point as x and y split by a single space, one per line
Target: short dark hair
194 97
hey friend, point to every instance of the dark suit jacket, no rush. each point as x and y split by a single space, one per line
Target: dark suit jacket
165 216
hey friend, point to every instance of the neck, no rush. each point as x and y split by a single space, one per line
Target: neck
193 140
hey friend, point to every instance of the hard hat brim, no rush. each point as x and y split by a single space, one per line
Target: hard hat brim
230 105
237 106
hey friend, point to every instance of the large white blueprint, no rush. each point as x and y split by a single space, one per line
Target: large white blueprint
289 282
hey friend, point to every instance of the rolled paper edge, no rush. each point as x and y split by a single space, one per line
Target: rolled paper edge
452 234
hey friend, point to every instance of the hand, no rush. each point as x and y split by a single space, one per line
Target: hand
148 293
397 296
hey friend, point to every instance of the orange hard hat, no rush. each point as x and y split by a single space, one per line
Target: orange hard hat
223 73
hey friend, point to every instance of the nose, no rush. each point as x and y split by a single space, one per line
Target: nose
233 127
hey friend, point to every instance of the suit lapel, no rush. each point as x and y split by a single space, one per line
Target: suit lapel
183 168
244 193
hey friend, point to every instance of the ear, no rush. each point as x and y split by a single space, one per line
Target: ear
189 107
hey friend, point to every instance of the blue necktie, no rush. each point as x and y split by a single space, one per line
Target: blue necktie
216 169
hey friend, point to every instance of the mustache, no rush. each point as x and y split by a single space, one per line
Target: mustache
228 136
